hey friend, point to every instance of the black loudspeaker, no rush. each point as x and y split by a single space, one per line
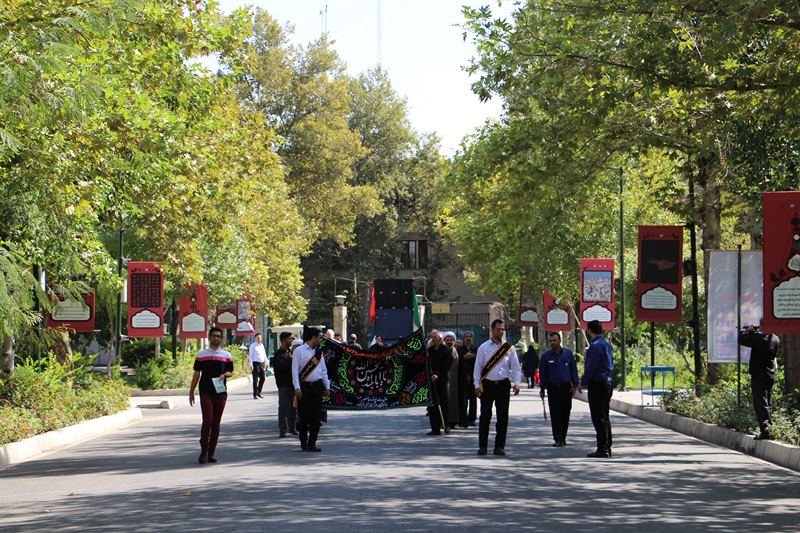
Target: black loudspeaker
394 294
393 324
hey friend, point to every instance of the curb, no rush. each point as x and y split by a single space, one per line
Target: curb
781 454
17 452
232 384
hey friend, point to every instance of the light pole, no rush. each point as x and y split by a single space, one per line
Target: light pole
623 343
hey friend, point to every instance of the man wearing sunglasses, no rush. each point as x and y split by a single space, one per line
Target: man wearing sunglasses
212 367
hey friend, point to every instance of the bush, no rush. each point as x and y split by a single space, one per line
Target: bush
45 395
164 373
717 405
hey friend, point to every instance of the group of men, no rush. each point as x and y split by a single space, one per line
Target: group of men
489 374
496 372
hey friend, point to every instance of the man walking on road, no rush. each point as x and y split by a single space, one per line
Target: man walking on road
558 375
440 357
496 370
212 367
282 366
310 379
763 366
597 376
258 365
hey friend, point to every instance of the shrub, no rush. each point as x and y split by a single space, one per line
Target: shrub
45 395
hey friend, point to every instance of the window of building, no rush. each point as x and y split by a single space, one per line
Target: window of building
413 254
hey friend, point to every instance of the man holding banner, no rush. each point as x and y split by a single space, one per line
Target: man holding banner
311 383
763 366
496 369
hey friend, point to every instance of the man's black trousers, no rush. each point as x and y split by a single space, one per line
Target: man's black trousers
762 401
599 402
499 394
310 411
560 401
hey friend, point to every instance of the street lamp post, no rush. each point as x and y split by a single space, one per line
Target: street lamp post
623 346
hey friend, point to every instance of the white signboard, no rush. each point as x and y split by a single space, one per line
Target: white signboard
722 279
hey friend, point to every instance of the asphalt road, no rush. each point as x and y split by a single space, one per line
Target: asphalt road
378 471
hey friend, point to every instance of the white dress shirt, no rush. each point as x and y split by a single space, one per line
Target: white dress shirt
300 357
508 368
257 354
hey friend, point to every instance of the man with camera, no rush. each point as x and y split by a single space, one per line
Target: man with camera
763 366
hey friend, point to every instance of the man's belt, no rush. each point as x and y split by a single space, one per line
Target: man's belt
493 361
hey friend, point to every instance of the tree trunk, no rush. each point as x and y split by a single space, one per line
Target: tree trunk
62 347
791 362
710 225
8 355
158 347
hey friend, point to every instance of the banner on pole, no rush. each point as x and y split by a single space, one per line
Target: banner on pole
659 281
392 377
528 317
72 315
781 262
245 318
226 315
722 281
555 318
145 299
597 292
193 306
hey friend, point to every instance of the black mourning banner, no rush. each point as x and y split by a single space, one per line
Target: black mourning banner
386 379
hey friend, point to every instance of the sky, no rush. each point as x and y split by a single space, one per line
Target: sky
422 49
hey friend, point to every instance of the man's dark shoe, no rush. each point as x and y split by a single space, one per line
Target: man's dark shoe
447 430
282 435
599 454
763 436
499 451
304 446
202 459
310 448
432 433
557 444
259 395
564 443
482 451
294 432
212 459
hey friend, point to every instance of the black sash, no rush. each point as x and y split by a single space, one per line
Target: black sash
493 362
311 365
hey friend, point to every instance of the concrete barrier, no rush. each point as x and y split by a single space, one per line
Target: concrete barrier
779 453
17 452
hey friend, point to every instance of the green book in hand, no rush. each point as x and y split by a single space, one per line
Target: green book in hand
219 384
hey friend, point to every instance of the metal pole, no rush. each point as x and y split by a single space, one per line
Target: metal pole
174 329
698 362
652 354
119 300
738 325
623 343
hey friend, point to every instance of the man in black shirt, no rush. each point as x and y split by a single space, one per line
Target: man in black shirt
468 404
763 350
282 366
440 357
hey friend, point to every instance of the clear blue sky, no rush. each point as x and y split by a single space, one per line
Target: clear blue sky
422 49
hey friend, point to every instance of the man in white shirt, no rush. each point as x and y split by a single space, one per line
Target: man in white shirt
496 370
258 365
311 383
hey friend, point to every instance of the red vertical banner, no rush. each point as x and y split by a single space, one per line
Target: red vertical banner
781 259
145 299
528 317
597 292
659 281
226 315
73 315
193 306
555 318
245 318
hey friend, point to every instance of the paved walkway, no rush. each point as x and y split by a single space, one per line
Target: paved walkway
378 471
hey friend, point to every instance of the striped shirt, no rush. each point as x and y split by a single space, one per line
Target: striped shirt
212 364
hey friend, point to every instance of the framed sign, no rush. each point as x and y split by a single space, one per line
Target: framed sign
555 317
781 262
245 318
145 299
597 292
660 274
226 316
72 315
528 317
193 306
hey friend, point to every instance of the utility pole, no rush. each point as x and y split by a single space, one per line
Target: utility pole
623 343
698 362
